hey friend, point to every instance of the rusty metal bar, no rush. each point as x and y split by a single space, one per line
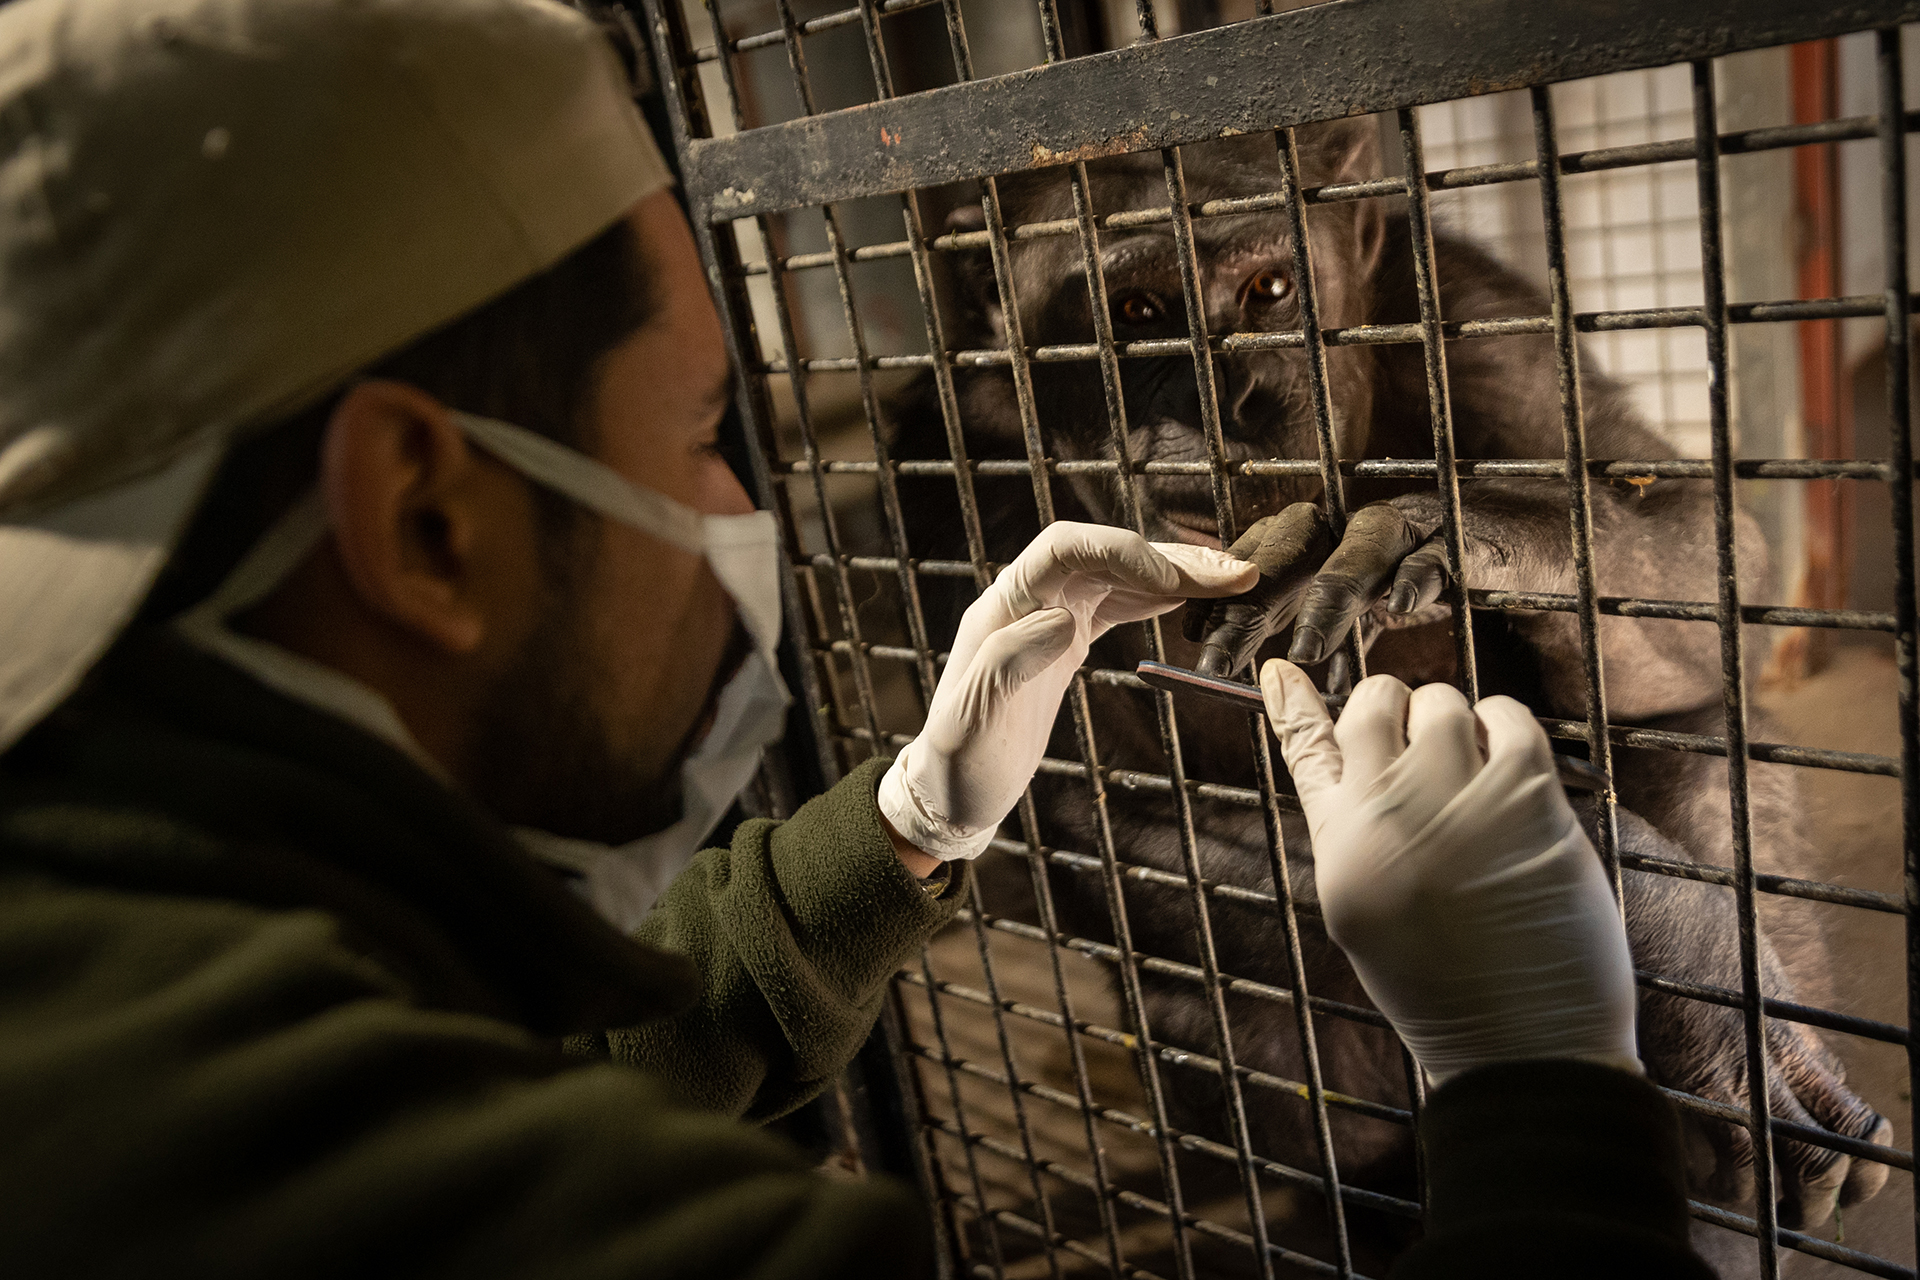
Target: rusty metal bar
1573 431
1733 661
1265 74
1776 312
1396 468
1598 160
1898 339
1439 405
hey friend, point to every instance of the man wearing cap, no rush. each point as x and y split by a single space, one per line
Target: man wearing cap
381 633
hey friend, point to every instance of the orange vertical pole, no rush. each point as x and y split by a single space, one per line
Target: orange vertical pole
1826 409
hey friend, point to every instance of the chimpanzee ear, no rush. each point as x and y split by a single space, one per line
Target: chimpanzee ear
1348 151
1339 151
977 294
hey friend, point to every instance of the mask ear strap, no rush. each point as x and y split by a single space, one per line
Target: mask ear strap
597 487
280 550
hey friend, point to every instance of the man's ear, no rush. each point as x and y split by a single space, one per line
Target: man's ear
398 480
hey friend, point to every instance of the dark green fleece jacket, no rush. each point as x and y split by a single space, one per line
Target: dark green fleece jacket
275 1003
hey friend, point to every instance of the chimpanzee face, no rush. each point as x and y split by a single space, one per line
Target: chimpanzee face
1248 282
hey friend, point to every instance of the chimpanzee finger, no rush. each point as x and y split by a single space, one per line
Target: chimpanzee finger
1287 548
1808 1068
1378 539
1810 1176
1193 619
1420 579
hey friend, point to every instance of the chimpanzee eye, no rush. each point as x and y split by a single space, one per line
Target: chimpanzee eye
1136 308
1270 285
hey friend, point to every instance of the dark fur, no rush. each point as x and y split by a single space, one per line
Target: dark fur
1654 541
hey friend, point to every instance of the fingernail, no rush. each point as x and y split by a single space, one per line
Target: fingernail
1306 645
1402 599
1214 661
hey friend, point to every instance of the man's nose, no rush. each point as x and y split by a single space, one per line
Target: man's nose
728 496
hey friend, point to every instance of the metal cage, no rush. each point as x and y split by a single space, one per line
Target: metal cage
1037 1100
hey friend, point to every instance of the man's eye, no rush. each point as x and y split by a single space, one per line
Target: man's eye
1270 285
1136 308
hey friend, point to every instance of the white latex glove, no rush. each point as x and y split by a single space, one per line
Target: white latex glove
1460 885
1017 649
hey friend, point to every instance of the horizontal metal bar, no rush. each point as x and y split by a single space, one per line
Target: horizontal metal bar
1174 969
1684 610
1494 601
1705 744
1894 1157
1372 335
1172 1054
1788 1010
1598 160
1377 468
1813 1246
1248 77
813 26
1191 1141
1781 886
1024 1225
1086 863
1132 1199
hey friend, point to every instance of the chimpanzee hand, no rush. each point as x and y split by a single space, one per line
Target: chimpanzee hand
1321 589
1687 930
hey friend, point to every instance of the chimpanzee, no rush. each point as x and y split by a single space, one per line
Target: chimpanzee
1652 540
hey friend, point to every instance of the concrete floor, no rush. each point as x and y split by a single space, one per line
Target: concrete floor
1853 818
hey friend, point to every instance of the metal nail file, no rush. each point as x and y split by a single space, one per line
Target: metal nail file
1575 775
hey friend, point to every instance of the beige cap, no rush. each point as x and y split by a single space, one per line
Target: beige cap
212 211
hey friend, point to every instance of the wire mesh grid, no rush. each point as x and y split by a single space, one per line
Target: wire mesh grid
1086 1095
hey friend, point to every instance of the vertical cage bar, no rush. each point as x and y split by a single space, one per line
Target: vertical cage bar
917 629
1573 432
885 480
743 349
1076 1051
1439 397
1891 131
1706 141
924 669
1302 1008
684 117
1146 1057
1193 286
1332 483
983 1212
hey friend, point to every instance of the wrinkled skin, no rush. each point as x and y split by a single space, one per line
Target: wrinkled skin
1388 575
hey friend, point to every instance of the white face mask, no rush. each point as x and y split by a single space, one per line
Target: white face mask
621 881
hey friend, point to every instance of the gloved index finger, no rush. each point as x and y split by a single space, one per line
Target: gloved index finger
1300 721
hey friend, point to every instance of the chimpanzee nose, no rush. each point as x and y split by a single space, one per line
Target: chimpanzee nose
1247 408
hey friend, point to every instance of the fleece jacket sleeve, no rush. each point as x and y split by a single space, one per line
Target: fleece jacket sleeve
795 930
1552 1168
192 1089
